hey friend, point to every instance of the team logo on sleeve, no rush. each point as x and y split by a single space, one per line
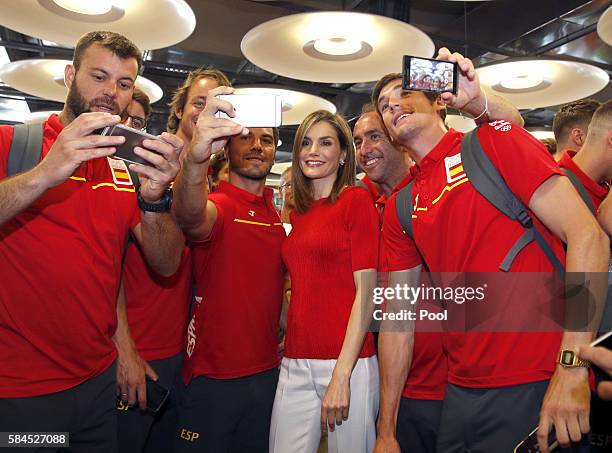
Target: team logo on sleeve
501 125
454 168
121 175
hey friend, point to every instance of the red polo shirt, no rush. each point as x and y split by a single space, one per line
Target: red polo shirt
596 191
428 372
327 244
457 230
239 288
60 264
157 306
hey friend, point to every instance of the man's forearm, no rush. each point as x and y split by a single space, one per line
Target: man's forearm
122 338
394 358
588 255
162 242
498 107
191 194
18 192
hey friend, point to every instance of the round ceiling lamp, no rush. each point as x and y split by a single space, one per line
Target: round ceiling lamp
541 134
460 123
45 79
540 83
296 105
604 26
150 24
334 47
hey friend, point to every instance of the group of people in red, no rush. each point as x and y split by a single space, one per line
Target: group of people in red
107 284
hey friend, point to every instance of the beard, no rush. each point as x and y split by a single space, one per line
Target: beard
254 174
77 104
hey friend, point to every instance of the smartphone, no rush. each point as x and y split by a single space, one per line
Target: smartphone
133 138
157 395
254 110
530 443
425 74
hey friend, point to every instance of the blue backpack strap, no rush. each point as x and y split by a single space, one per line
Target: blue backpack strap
575 180
26 148
485 178
403 208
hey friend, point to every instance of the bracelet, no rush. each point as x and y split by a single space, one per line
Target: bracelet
485 112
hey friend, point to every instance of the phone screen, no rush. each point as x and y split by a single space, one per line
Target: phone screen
156 395
424 74
530 443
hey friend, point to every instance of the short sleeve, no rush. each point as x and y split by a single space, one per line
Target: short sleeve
397 251
363 225
521 159
6 137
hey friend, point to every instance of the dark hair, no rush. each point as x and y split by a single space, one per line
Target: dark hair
551 145
217 162
302 191
116 43
572 115
179 98
385 80
142 98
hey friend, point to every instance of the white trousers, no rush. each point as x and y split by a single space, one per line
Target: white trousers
296 416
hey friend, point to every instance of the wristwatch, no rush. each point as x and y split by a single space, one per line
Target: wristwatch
569 359
163 205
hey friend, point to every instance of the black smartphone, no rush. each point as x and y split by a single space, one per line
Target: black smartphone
426 74
157 395
133 138
530 443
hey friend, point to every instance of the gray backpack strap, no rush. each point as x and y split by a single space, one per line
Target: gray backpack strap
575 180
485 178
26 148
403 208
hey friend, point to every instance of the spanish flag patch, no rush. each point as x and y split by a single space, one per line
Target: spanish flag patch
119 170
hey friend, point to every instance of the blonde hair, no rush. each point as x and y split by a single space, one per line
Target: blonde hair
302 190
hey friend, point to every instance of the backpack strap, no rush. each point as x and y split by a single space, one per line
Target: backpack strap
26 148
403 208
485 178
575 180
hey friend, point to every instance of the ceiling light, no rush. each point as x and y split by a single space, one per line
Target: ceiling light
337 46
45 78
604 26
334 46
89 7
150 24
543 82
521 81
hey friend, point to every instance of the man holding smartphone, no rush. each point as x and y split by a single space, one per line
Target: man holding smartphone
153 310
520 377
63 228
230 372
417 398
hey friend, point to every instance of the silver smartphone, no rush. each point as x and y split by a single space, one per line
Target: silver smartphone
133 138
254 110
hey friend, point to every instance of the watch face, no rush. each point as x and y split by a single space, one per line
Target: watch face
567 358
